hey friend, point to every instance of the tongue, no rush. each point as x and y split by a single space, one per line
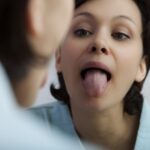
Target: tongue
95 83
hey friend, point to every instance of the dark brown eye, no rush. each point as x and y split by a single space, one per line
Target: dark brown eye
120 36
82 33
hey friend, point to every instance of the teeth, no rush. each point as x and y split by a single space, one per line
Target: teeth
83 72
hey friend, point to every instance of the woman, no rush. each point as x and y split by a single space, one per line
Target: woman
101 66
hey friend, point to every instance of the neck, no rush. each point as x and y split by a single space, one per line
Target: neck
113 129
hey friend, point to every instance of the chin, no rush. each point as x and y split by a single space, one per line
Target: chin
26 102
94 105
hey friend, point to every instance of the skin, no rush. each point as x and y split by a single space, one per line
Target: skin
46 25
118 31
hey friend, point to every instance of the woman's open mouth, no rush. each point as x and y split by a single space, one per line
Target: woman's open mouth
85 71
95 77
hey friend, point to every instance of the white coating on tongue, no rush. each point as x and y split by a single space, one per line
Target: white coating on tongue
95 83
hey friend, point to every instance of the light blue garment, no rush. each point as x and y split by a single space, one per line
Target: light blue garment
58 114
143 136
18 131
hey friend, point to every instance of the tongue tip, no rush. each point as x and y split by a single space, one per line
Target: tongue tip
95 83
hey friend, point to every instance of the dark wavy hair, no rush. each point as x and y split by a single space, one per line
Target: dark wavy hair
16 54
134 99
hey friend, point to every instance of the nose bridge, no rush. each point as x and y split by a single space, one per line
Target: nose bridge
100 42
101 38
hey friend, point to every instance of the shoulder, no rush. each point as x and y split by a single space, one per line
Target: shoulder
143 135
56 113
50 109
144 120
25 133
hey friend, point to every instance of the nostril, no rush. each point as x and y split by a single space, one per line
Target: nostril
94 49
104 50
99 50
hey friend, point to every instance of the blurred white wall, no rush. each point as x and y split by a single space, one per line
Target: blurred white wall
44 95
146 88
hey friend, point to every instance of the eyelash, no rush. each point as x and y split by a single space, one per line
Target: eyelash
120 36
82 33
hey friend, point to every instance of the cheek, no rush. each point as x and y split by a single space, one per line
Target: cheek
129 56
128 65
70 53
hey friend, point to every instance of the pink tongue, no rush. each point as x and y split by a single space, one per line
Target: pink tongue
95 83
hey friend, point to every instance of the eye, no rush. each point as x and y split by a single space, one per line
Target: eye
120 36
82 33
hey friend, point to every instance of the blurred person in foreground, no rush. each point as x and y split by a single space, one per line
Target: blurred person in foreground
30 31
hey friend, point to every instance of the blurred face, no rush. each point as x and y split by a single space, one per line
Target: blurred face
101 56
49 21
52 25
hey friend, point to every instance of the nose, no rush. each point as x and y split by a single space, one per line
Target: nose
99 45
95 49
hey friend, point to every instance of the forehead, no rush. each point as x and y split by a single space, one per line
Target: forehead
109 9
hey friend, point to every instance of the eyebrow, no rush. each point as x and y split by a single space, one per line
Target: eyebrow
125 17
86 14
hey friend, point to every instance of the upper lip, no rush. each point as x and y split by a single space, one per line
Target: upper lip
96 65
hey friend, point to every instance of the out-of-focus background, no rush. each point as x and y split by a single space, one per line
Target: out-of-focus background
44 95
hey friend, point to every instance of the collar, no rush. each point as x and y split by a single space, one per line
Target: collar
143 135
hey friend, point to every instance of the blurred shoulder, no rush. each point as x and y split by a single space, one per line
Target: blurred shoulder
50 107
52 113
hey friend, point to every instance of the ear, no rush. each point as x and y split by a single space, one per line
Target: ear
35 17
58 60
141 71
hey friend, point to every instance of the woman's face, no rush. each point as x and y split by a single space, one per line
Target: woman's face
101 56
